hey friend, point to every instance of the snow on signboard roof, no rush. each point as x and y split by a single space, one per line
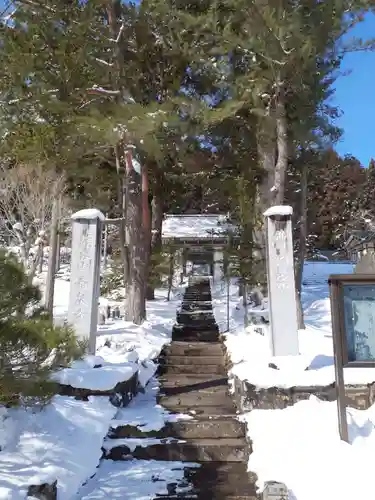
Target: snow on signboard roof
195 226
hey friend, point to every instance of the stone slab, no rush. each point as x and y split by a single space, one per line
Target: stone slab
204 411
186 429
177 348
249 397
196 398
195 360
194 369
200 450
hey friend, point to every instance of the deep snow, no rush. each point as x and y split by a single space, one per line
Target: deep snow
64 440
300 445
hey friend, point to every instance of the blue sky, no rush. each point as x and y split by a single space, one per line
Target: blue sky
355 96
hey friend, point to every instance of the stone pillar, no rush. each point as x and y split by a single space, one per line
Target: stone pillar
218 265
366 263
85 275
184 262
281 284
178 266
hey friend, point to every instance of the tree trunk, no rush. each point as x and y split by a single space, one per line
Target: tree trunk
267 157
156 227
301 246
281 166
105 245
121 200
147 230
58 250
170 275
50 282
136 286
116 75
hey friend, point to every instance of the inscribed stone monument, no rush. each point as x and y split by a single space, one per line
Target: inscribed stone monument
281 285
366 264
218 265
85 275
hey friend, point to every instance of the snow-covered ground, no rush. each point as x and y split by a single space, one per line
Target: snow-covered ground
64 441
137 479
300 445
250 350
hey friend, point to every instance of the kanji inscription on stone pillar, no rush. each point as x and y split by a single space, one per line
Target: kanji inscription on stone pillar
281 284
85 275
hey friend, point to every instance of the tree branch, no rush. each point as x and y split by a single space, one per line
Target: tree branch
100 91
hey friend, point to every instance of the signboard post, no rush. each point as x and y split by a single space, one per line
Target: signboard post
353 331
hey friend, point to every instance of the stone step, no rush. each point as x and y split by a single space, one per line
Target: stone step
186 331
202 306
187 382
195 360
204 411
213 386
202 390
218 472
197 304
217 428
233 487
190 369
207 429
195 450
195 316
197 324
195 337
195 327
196 398
177 348
197 294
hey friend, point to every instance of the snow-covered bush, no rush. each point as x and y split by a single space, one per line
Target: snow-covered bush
31 348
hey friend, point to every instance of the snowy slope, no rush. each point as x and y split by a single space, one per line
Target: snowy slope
64 440
300 445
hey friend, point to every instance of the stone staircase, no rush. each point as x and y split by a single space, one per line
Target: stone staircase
193 381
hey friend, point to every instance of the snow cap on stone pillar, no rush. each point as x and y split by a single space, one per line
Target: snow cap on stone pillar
89 214
284 210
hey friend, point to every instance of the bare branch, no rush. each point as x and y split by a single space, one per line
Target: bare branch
26 198
118 38
100 91
101 61
87 103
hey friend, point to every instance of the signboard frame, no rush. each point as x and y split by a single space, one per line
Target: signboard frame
337 282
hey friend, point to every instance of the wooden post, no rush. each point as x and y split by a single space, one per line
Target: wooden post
339 362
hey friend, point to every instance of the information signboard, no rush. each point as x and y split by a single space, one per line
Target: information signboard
353 330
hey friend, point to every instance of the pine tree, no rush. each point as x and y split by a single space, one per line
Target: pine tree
31 348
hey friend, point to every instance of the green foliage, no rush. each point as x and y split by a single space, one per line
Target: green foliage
113 278
31 348
160 268
167 76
